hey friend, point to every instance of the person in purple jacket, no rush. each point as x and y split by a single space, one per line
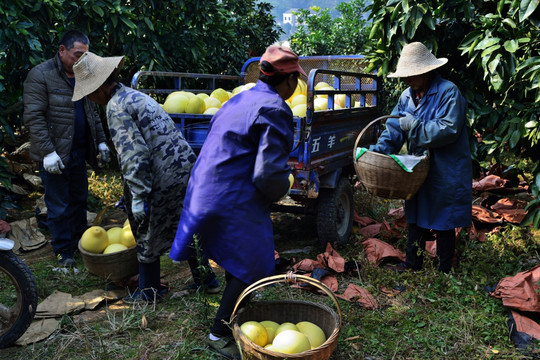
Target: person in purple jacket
432 116
241 170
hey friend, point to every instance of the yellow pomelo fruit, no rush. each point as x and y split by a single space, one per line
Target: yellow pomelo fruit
238 89
249 85
230 94
175 103
324 95
211 111
195 105
127 237
303 86
314 333
220 94
286 326
299 110
187 94
212 102
115 235
321 103
114 248
255 332
340 100
321 84
126 222
271 327
95 239
291 342
299 99
202 95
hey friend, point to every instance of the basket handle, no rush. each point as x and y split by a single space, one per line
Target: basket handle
288 278
384 117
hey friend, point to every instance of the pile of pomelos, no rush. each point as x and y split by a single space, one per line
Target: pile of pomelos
180 102
286 338
97 240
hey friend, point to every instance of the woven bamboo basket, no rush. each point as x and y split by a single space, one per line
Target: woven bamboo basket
282 311
113 267
382 176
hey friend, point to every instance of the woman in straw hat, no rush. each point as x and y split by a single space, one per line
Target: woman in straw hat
432 116
155 161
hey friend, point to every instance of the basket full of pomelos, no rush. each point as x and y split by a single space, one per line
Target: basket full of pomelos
109 253
291 329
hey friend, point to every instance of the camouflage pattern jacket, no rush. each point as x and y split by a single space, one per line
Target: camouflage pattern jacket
155 161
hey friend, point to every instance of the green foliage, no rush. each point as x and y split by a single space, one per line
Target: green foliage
323 35
493 55
103 191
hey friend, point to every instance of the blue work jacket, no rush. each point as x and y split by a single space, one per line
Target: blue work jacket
444 200
241 169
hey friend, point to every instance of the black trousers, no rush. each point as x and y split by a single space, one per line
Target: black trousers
232 291
446 245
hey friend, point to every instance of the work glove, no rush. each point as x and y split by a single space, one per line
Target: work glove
52 163
105 152
291 181
138 209
406 122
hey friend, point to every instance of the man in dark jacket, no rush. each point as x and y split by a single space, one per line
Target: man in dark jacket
63 136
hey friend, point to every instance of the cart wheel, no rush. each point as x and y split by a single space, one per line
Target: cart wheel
335 214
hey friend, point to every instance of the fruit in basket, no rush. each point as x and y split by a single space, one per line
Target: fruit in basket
291 342
94 239
202 95
115 235
271 327
127 237
255 332
126 223
175 103
112 248
286 326
314 333
195 105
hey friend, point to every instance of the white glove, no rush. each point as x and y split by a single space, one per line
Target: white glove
406 122
137 209
105 152
52 163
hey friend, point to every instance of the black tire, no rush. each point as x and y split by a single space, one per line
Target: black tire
18 298
335 214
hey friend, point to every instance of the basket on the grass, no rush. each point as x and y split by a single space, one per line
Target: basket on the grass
282 311
114 267
383 176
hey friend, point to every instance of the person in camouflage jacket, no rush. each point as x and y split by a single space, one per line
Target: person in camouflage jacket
155 161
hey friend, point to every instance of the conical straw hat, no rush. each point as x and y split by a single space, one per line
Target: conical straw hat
91 71
416 59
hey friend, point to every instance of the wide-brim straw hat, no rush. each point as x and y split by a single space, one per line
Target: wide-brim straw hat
416 59
91 71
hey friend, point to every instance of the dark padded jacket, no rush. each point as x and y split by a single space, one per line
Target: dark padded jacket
49 113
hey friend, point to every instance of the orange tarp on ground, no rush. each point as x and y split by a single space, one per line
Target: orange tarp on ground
378 250
520 292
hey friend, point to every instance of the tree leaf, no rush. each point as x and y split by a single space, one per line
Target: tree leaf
98 10
487 42
526 8
511 46
514 139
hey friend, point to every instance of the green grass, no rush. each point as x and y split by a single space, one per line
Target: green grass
437 316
